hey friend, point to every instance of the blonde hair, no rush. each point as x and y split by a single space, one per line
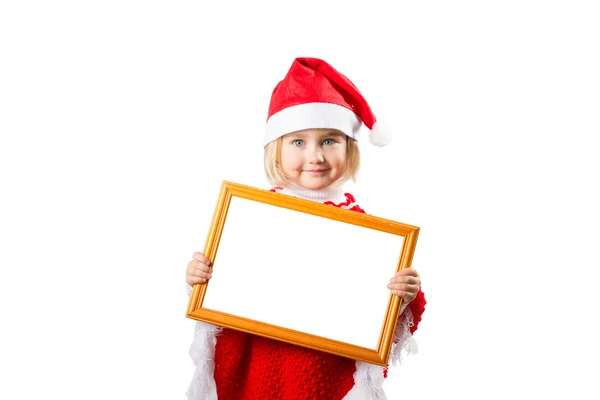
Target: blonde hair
272 162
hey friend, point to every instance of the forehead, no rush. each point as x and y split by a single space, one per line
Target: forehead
315 133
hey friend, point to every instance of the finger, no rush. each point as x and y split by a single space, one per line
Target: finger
406 279
202 273
198 264
196 275
202 267
402 294
407 272
406 295
403 287
200 257
194 265
192 280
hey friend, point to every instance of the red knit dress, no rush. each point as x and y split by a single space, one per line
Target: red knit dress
250 367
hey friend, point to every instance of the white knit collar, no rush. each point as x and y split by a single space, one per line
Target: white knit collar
334 193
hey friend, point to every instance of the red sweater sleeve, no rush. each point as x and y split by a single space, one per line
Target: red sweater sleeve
417 307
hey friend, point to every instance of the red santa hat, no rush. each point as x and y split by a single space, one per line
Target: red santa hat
315 95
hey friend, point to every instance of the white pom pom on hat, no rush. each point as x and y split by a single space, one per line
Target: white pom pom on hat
381 134
315 95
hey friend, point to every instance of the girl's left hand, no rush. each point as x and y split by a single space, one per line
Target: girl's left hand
406 284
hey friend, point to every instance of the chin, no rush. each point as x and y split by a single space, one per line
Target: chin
315 185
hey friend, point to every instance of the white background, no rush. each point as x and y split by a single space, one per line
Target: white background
119 119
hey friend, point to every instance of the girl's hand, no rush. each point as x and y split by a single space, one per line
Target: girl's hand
406 284
198 270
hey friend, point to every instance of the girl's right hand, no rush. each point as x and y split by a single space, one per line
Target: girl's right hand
198 270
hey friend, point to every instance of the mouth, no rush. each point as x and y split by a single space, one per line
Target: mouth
315 171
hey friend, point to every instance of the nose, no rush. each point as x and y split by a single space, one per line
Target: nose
315 155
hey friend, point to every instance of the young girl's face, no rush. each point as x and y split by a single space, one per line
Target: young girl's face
313 158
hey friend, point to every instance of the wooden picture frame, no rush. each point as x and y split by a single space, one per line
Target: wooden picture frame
304 273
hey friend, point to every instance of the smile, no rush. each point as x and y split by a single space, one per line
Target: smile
315 171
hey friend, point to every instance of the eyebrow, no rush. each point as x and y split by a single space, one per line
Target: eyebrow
335 133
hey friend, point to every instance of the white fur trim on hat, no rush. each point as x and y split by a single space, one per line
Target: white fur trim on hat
310 116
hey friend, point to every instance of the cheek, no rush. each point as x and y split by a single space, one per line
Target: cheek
339 156
289 159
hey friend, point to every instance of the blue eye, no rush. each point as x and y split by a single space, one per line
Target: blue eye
298 142
328 142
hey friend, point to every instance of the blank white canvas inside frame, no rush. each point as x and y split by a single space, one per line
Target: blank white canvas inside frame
299 271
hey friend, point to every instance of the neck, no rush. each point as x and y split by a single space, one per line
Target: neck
333 193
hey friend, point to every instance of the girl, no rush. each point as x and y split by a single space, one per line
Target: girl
311 149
